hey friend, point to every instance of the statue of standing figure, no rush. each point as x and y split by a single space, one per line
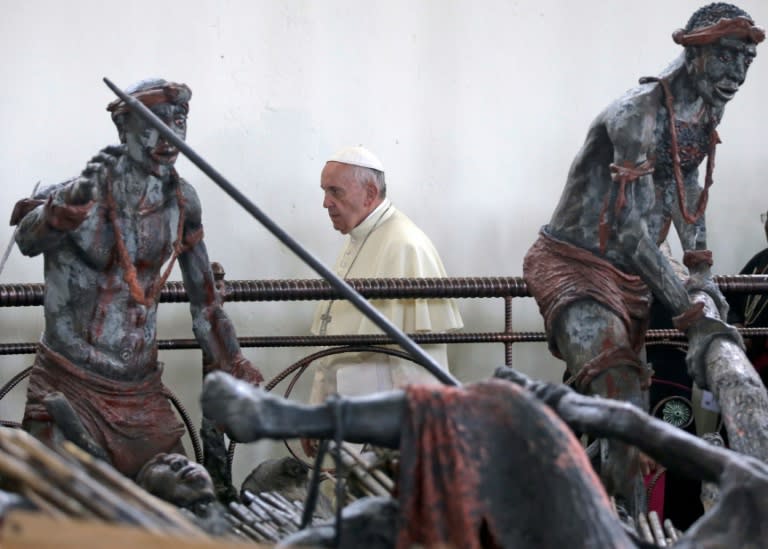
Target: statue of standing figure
597 263
110 238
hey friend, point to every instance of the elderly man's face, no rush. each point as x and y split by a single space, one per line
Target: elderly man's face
718 70
173 478
147 147
347 201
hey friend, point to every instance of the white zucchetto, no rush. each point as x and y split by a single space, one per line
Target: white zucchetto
358 156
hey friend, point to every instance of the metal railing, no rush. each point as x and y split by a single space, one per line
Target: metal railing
506 288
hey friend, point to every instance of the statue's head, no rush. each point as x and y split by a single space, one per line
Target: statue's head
144 145
720 43
173 478
276 475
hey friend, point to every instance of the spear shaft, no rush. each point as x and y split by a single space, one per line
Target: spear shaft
346 291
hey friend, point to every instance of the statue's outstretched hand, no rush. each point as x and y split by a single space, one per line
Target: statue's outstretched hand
96 172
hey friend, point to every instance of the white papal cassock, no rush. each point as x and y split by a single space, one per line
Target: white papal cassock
385 245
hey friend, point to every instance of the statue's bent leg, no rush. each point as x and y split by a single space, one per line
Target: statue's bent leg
596 347
247 413
68 422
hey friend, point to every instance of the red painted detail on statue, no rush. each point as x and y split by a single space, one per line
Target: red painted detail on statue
193 238
168 92
714 140
737 27
213 291
147 297
611 387
106 293
684 320
223 356
611 357
239 367
623 174
558 274
22 208
461 449
445 506
131 420
65 217
664 231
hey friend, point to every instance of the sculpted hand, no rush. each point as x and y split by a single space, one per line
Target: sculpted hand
701 333
83 191
85 187
701 281
241 368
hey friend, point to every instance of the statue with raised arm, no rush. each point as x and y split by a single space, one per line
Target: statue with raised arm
597 263
110 238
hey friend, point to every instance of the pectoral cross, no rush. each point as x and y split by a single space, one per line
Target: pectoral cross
326 319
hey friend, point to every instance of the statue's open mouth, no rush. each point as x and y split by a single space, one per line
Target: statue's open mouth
190 471
165 154
726 91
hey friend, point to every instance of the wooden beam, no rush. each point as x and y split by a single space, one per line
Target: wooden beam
27 530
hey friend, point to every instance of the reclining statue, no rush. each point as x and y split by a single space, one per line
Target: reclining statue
496 464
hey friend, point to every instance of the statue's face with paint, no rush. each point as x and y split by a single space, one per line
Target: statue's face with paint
173 478
719 69
144 144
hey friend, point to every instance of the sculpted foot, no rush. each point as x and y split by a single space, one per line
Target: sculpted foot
235 406
247 413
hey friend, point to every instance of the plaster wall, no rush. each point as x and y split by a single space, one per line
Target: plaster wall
475 107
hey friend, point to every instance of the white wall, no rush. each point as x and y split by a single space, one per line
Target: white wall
475 107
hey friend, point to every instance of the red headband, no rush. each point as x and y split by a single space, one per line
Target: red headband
170 92
738 27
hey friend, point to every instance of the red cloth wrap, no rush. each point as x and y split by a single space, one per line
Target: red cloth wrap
132 421
468 457
558 274
687 318
693 259
736 27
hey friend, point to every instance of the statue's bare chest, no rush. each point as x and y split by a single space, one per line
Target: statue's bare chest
142 234
147 235
692 144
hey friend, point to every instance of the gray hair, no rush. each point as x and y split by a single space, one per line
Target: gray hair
363 175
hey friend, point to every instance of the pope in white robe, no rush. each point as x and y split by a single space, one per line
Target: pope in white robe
385 243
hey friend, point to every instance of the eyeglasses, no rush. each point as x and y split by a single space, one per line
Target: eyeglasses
763 217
